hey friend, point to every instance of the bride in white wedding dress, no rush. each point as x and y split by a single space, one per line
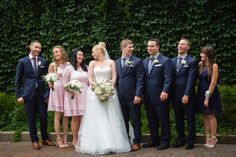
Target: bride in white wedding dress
102 129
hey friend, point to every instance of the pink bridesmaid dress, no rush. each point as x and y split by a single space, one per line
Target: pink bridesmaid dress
56 96
75 106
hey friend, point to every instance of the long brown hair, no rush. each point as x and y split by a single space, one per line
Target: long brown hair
209 52
63 52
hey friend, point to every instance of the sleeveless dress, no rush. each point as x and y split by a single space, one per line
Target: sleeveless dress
102 130
76 106
56 96
214 101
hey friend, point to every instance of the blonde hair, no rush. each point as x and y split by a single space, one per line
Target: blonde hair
125 42
101 46
63 52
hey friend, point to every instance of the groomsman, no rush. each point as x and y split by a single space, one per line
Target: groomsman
184 94
130 88
30 91
158 72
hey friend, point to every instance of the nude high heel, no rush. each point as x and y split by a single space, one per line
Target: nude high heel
60 143
208 140
213 142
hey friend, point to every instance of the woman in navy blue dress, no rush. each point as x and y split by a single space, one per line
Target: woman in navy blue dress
208 94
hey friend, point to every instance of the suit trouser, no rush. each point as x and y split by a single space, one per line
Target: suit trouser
158 116
33 107
180 112
134 110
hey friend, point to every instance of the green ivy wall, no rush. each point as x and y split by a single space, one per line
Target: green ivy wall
83 23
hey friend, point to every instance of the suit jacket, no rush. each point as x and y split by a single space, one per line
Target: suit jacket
26 78
185 78
130 79
158 80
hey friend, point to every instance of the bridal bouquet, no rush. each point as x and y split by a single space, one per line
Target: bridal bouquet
103 90
51 78
73 86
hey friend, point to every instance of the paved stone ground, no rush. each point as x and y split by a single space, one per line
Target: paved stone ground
23 149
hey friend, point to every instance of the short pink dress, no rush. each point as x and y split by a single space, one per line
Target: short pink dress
56 96
75 106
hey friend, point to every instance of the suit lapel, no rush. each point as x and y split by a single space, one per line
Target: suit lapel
125 68
146 65
175 65
30 65
159 59
181 66
119 66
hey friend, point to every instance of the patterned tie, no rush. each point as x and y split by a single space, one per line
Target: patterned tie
150 64
35 66
178 64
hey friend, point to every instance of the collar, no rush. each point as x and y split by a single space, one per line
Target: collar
182 56
127 57
155 56
31 56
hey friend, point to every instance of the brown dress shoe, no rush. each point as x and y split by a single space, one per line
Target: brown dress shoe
35 145
135 147
48 143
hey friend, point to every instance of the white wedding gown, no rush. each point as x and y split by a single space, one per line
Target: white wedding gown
102 129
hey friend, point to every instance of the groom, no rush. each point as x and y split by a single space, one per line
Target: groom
130 88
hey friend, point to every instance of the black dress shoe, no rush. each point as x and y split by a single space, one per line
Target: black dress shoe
189 146
163 146
150 144
178 144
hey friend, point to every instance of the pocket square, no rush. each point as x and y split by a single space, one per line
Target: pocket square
185 66
130 66
41 66
157 65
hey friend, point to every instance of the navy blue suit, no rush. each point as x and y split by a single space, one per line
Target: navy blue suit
157 81
32 88
184 84
129 85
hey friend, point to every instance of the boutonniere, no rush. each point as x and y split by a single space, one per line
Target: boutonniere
40 64
129 63
184 63
155 61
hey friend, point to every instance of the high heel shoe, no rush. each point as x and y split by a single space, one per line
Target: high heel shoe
65 142
208 140
60 143
74 142
213 142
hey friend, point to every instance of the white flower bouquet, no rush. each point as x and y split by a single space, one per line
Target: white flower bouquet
73 86
103 90
51 78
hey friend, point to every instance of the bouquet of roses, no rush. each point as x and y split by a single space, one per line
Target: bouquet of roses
73 86
103 90
51 78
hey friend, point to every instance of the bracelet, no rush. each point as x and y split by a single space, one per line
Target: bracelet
208 94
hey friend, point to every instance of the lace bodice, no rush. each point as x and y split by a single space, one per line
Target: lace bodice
102 73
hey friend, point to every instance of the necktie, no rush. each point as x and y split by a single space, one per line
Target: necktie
123 62
178 63
35 66
150 64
